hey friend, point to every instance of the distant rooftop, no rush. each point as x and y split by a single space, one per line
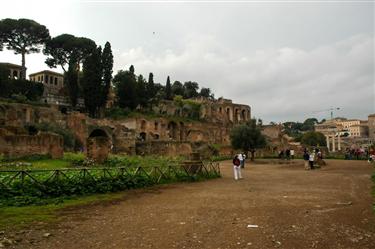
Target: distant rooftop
46 72
7 64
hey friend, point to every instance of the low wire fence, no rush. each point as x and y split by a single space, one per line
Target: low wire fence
21 187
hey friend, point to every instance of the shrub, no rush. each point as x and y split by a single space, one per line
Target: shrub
30 90
117 113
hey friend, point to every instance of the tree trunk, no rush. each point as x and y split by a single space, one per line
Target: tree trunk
252 155
23 69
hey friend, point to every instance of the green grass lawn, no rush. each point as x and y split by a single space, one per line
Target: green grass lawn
18 217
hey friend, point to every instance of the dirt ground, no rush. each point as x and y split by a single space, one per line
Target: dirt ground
292 207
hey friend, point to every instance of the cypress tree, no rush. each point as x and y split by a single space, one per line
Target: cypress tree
107 65
92 85
168 89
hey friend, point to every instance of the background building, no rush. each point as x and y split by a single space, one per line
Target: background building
14 69
53 82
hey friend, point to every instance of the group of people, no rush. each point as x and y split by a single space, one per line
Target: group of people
238 163
357 153
315 156
286 154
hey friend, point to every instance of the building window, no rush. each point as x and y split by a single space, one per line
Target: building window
55 80
41 78
15 74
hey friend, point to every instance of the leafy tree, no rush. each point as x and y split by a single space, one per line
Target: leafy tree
107 66
4 73
168 89
142 91
247 137
206 92
24 36
92 85
190 89
126 88
69 50
309 124
313 138
178 88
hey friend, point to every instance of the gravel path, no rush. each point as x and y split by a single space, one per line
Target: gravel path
293 208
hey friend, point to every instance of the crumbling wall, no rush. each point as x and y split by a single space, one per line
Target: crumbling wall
165 148
15 146
98 148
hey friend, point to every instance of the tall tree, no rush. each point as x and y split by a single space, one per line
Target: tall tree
126 88
168 89
23 36
190 89
248 137
69 50
142 91
107 66
151 87
313 138
92 84
206 92
177 88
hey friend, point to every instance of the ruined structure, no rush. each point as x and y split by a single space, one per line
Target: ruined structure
172 133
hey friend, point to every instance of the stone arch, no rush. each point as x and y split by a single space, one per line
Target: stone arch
32 130
143 124
98 133
243 114
182 131
172 130
229 113
237 115
143 136
99 144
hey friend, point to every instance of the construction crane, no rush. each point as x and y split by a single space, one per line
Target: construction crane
330 109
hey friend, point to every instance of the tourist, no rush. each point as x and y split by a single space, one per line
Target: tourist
292 154
281 154
244 157
311 159
240 157
306 157
237 168
287 154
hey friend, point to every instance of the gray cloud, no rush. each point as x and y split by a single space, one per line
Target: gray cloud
286 60
280 84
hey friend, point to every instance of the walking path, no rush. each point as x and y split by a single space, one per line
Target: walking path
293 208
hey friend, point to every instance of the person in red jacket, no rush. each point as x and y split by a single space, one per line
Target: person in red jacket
237 168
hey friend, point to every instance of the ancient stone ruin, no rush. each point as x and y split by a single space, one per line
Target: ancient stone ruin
172 133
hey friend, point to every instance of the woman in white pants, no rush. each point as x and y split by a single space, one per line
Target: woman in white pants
237 168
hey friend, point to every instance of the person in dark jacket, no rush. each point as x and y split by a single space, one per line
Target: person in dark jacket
237 168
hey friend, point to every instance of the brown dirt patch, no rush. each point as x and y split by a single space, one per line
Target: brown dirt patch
294 208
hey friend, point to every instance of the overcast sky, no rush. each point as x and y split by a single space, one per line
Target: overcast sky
286 59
